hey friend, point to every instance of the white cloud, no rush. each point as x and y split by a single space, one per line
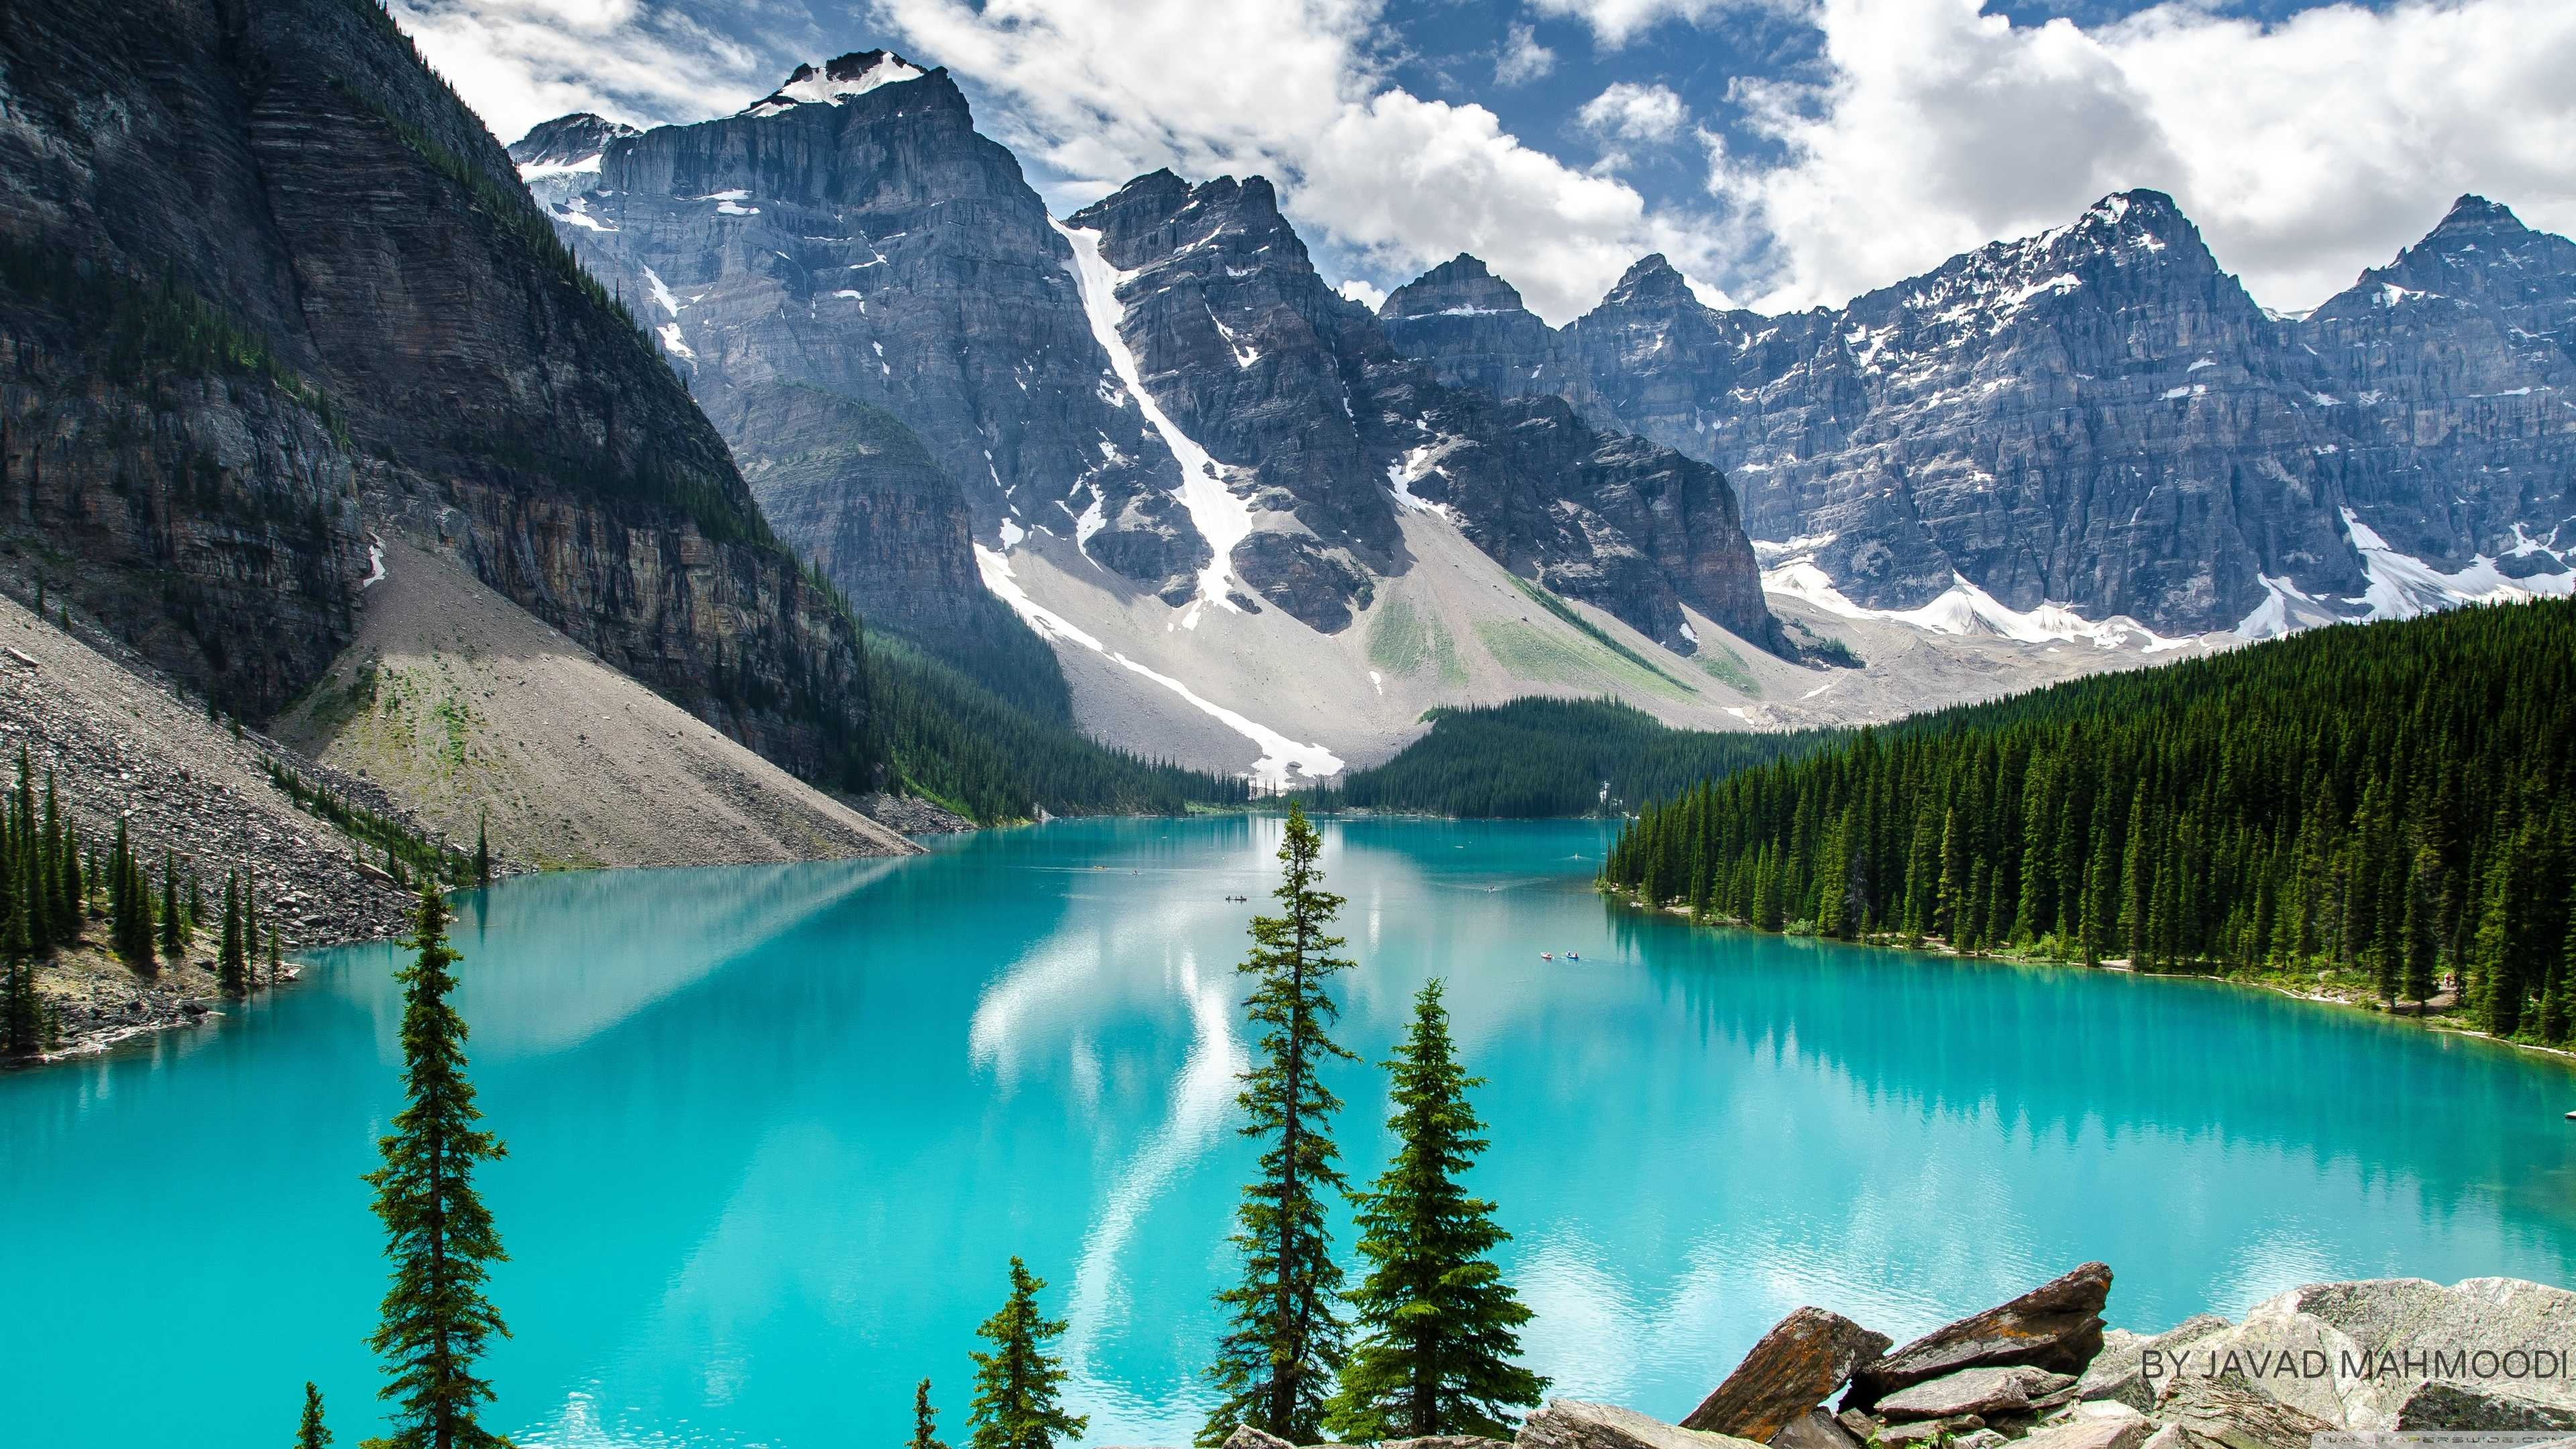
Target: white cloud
1616 22
518 62
1108 89
1522 58
2306 150
1366 295
1635 113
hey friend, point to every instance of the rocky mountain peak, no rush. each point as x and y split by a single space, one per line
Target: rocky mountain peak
1652 282
1159 215
567 141
837 81
1461 286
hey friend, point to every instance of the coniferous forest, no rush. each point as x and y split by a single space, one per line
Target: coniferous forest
1541 758
2388 798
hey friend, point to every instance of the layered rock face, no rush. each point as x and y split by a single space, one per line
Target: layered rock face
1325 430
2098 416
273 285
1161 378
853 234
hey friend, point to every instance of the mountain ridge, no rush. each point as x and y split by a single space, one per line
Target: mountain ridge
2096 418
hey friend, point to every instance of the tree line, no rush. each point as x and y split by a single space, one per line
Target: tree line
1437 1326
56 888
2391 798
1541 757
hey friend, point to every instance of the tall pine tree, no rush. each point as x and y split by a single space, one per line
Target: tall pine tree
925 1419
1017 1383
309 1431
1440 1327
436 1320
1276 1362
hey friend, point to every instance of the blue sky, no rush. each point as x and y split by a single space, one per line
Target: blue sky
1782 152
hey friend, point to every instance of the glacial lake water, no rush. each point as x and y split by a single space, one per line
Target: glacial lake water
774 1132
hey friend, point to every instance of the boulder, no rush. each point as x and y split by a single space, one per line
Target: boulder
1445 1441
1576 1424
1979 1439
2458 1406
1859 1425
1247 1437
1796 1366
2093 1433
1814 1429
2130 1365
2354 1354
1983 1391
2230 1411
2056 1326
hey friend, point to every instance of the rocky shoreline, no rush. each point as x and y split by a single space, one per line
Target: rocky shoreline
2043 1372
121 743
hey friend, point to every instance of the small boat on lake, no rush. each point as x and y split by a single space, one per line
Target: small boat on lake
1547 955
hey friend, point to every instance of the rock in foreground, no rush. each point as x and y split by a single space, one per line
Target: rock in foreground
1796 1366
1575 1424
2056 1326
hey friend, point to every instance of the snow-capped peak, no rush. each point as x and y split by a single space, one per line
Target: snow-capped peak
836 81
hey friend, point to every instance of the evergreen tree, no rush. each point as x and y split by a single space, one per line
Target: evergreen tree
232 962
1016 1384
483 855
174 915
310 1433
22 1019
925 1419
275 965
2421 925
1439 1324
1276 1362
435 1320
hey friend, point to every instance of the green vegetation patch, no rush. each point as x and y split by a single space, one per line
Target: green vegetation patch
1594 632
1728 668
1403 639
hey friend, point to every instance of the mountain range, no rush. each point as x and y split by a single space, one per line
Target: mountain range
701 398
1256 520
2097 418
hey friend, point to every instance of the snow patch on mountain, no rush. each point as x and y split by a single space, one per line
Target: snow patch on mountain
2402 587
836 82
1221 518
1283 761
1963 609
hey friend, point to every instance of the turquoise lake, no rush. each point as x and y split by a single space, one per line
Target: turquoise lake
775 1131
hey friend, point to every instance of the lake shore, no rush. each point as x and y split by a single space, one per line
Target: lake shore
2347 990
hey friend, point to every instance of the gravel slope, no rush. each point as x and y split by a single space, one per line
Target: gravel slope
465 708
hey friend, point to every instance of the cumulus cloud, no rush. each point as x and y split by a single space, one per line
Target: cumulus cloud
1616 22
1108 89
518 62
1522 58
1368 296
2306 149
1634 112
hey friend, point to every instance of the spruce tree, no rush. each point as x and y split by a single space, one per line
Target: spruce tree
1439 1326
232 962
2420 927
483 854
309 1432
1016 1384
22 1018
174 915
1275 1363
435 1319
925 1419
